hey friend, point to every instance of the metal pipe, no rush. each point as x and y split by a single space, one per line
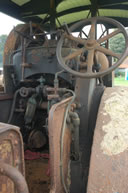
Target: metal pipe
76 123
15 176
13 106
62 141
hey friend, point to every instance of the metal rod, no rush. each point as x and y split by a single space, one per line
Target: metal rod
15 176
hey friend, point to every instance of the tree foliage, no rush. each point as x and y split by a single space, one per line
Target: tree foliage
2 43
117 43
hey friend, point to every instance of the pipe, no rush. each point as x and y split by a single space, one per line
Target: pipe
13 106
76 123
15 176
62 141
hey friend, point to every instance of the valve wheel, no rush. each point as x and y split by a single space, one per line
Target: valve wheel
91 46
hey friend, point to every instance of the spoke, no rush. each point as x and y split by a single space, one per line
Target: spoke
108 52
92 32
74 54
76 39
108 36
90 61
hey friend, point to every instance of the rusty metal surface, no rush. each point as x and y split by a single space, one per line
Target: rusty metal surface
14 40
11 152
109 159
16 177
5 97
56 117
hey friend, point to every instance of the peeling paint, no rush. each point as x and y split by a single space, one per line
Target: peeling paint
5 148
115 139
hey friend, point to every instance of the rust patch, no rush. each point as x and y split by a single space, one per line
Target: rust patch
5 149
115 140
5 97
14 40
35 56
109 159
11 152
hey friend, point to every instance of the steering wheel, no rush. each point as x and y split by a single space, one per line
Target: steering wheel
91 46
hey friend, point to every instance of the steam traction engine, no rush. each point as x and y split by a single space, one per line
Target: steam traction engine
53 88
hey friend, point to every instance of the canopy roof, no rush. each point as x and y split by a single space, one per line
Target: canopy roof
56 12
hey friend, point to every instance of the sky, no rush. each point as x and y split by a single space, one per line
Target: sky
7 23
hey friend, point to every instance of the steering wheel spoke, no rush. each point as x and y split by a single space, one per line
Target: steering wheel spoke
74 54
76 39
107 37
108 52
92 32
90 61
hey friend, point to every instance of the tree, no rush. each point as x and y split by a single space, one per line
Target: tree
117 43
2 43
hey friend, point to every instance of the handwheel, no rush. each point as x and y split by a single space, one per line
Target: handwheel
91 46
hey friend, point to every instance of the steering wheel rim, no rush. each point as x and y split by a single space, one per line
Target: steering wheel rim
92 49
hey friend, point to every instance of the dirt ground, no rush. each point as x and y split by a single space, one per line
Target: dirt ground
36 175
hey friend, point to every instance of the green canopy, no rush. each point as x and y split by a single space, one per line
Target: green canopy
56 12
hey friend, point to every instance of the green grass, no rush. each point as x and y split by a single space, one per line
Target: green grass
120 81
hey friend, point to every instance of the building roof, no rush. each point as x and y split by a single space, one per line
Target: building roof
124 64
